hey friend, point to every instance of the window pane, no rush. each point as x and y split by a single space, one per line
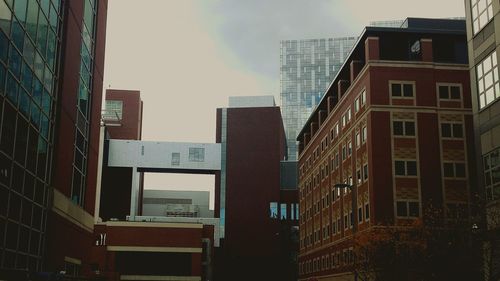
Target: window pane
401 209
448 169
446 130
411 168
443 92
457 130
413 209
409 128
399 168
408 90
397 128
455 92
396 90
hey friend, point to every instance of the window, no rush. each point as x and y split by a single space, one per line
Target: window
363 97
176 158
403 128
364 134
365 171
114 109
349 148
491 164
447 92
358 176
273 210
454 170
196 154
283 211
344 153
358 139
407 209
487 80
482 13
356 105
360 214
451 130
405 168
402 90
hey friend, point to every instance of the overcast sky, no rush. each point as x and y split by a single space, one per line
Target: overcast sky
188 56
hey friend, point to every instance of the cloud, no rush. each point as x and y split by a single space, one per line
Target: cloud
251 30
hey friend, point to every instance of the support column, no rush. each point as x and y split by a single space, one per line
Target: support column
134 195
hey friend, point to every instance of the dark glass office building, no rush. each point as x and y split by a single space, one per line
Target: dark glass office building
51 67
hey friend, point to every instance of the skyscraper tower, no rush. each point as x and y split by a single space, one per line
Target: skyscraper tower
307 68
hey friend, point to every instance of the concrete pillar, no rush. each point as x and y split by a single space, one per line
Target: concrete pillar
134 195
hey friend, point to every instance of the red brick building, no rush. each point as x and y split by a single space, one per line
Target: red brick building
396 124
70 219
257 216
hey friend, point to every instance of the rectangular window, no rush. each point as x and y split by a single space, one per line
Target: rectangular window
344 153
196 154
488 81
176 158
363 97
364 134
358 176
283 211
356 105
454 170
482 13
405 168
403 128
273 210
358 139
349 148
360 214
452 130
407 209
365 171
114 109
402 90
447 92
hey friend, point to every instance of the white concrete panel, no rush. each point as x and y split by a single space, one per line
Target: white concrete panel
158 155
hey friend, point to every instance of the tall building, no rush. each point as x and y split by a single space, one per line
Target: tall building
257 208
390 142
51 67
482 31
306 70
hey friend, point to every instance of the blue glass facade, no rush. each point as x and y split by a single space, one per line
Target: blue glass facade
29 43
306 70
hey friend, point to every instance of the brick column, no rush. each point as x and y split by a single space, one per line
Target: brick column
355 68
426 50
372 49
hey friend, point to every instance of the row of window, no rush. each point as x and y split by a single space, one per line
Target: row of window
282 213
361 137
326 262
336 226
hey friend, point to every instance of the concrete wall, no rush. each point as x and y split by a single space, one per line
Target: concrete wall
158 155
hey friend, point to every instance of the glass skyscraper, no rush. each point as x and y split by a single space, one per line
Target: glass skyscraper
307 68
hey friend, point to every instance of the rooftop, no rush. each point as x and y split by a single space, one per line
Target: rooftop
402 44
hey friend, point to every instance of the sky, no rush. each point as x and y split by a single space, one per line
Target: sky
188 56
